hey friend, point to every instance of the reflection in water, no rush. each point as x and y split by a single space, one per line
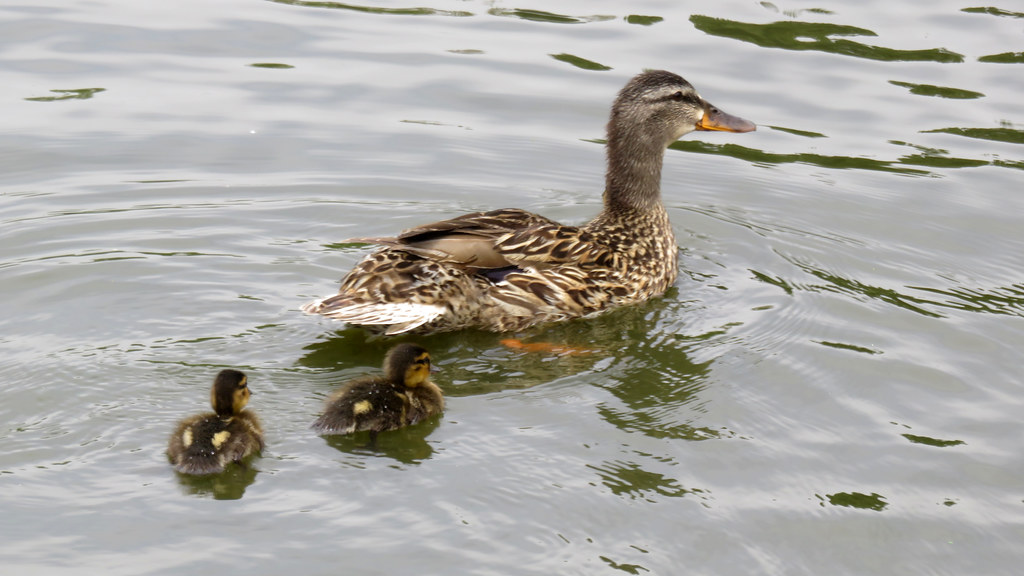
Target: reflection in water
937 158
847 346
756 156
643 20
627 568
548 347
657 394
855 500
580 62
492 367
1007 300
628 479
272 65
842 285
939 91
816 36
349 347
228 485
1004 58
407 445
648 371
906 165
993 11
375 9
795 132
1002 300
77 94
542 16
932 441
1004 134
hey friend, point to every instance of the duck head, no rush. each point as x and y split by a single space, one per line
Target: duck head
230 392
653 110
660 107
408 364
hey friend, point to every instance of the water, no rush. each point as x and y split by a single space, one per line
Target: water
832 387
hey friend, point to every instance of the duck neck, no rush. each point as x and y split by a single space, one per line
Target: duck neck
633 179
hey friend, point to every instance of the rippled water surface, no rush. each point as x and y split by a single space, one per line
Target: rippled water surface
832 387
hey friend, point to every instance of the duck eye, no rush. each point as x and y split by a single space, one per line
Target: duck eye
678 95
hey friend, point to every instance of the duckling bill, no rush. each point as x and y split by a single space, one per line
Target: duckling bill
508 269
402 396
206 443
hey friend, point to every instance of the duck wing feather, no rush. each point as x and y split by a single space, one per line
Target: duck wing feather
498 239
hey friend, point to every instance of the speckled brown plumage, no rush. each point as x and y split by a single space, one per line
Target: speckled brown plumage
509 269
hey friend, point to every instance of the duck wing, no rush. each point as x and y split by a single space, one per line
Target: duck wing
470 240
542 246
498 239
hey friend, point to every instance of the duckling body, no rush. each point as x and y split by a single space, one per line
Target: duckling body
402 396
206 443
510 269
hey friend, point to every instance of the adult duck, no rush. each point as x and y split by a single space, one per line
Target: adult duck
510 269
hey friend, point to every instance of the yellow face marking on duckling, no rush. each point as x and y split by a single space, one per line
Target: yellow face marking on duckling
419 371
361 407
220 438
186 438
242 394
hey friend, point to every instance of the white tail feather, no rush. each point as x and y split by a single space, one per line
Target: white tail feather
399 316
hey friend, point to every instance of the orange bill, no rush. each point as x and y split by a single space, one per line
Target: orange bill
715 119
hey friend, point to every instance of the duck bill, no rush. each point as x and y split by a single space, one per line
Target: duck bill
715 119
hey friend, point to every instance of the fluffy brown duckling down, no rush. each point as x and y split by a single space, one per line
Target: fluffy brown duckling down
206 443
402 396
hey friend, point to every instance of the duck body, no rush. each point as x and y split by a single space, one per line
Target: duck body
402 396
509 269
206 443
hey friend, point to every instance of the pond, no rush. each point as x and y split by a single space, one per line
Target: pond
832 385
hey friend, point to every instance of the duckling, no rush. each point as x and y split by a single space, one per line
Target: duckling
205 443
508 269
402 396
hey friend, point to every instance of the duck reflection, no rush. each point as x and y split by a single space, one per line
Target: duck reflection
471 362
636 353
630 480
406 445
228 485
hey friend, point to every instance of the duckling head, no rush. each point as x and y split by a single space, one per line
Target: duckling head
408 364
230 392
660 107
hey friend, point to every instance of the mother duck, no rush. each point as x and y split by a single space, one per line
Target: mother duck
509 269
